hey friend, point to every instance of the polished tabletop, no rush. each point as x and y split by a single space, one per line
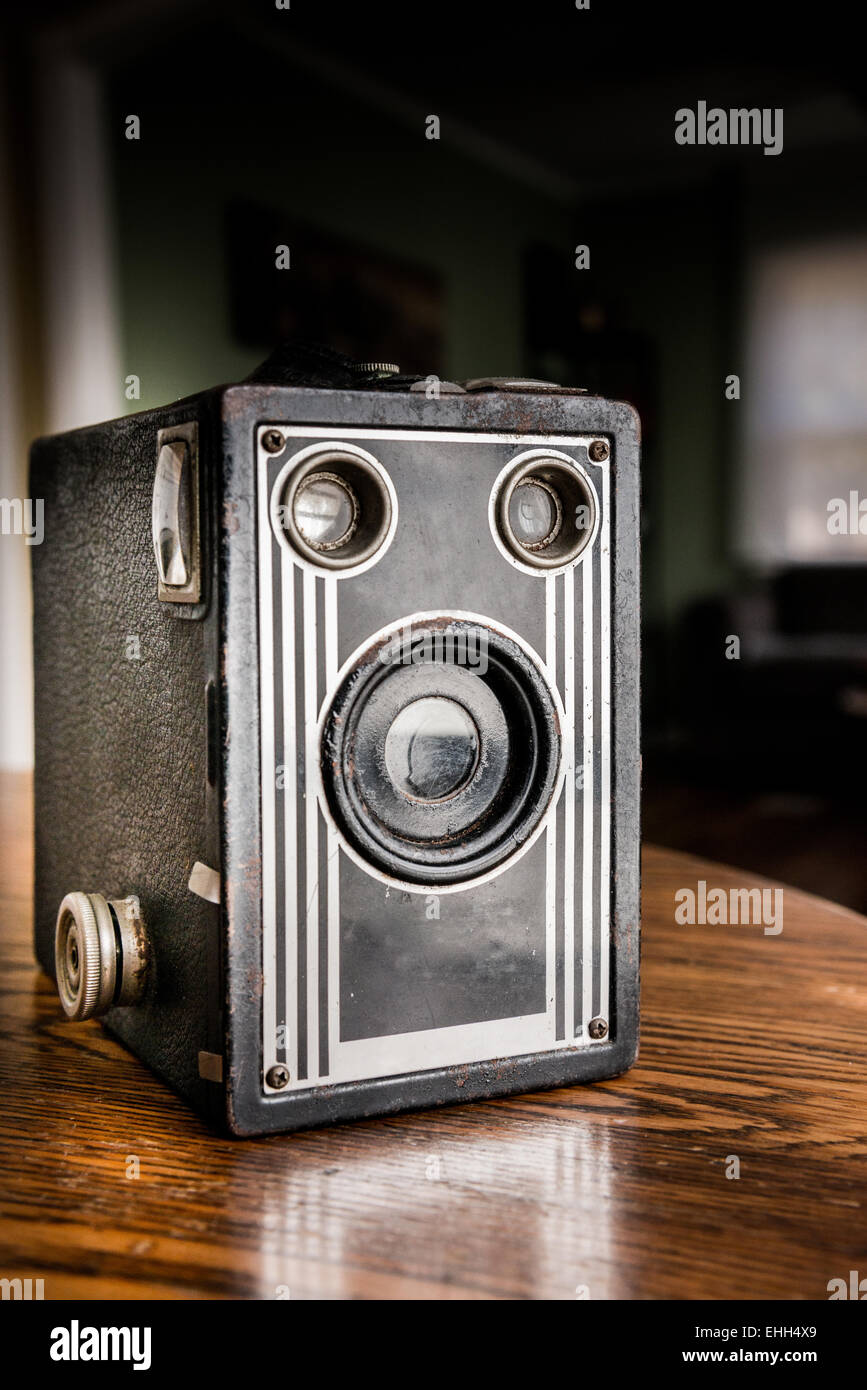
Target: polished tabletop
730 1162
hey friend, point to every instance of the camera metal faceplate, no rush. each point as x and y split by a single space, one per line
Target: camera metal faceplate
374 975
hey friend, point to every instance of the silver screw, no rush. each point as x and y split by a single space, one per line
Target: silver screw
598 450
598 1028
277 1077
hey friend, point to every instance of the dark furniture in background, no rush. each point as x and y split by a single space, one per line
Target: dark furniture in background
790 712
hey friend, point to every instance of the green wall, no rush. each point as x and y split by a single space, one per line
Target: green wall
327 159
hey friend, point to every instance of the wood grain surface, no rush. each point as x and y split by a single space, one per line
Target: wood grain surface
753 1046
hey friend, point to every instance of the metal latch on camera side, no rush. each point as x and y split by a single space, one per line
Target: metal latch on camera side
175 515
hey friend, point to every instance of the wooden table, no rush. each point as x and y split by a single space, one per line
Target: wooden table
753 1048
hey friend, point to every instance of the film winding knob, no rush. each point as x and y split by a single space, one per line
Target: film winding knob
375 368
101 954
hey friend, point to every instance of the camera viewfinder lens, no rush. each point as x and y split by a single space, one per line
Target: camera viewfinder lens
326 511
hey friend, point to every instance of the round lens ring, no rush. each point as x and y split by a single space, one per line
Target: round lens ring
325 511
435 772
431 749
335 507
535 513
543 511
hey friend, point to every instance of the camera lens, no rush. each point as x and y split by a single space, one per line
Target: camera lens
535 513
335 506
431 749
437 768
543 511
325 511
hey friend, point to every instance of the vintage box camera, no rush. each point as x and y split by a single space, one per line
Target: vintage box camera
337 738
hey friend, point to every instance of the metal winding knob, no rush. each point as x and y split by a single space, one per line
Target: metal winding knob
101 954
375 368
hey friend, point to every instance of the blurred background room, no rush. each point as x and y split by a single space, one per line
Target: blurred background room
723 292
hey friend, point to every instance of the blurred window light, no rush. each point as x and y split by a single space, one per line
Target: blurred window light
804 451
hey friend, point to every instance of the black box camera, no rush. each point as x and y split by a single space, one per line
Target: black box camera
337 745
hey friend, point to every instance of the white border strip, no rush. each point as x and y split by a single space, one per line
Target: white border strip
605 757
552 819
442 1047
587 799
290 816
311 813
569 807
269 783
332 876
